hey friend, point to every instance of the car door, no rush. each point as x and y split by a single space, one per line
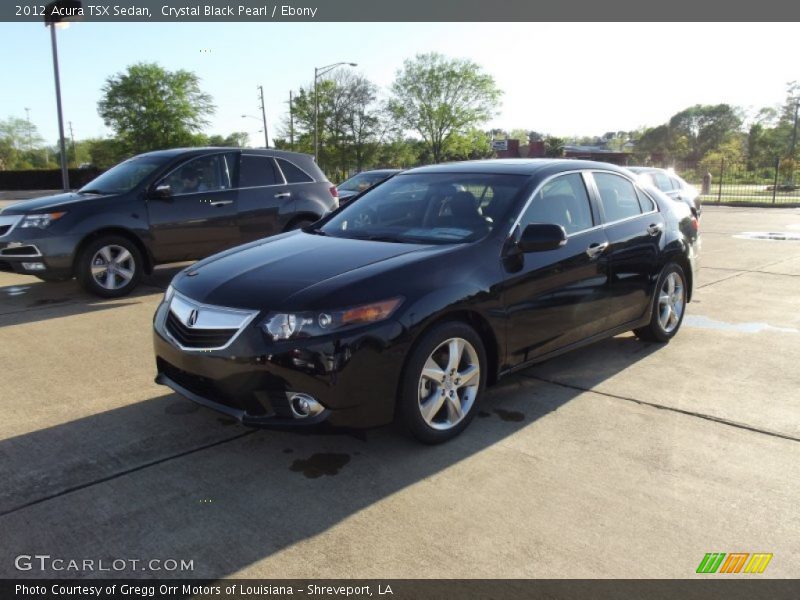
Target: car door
557 297
263 197
197 216
635 230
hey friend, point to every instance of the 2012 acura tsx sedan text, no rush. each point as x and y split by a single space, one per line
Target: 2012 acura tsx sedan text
408 302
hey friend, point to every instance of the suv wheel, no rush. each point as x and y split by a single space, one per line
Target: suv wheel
110 266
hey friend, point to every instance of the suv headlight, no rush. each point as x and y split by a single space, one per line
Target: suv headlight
41 220
284 326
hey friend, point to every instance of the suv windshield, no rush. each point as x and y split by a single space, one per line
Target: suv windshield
123 177
443 208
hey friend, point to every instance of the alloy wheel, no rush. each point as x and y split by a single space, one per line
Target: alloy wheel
671 302
113 267
449 383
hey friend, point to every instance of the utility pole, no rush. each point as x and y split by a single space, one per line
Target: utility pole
74 152
30 129
264 117
291 120
794 143
62 144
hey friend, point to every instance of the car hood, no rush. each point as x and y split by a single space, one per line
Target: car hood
271 273
46 203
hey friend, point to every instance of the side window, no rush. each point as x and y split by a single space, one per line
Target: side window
293 173
256 171
646 202
562 201
204 174
618 197
676 183
662 181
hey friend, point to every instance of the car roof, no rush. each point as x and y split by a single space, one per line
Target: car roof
516 166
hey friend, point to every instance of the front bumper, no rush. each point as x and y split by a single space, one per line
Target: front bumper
21 248
353 375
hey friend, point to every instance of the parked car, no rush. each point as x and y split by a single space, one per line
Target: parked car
361 182
161 207
413 298
671 184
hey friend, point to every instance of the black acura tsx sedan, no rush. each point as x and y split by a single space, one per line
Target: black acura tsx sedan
409 301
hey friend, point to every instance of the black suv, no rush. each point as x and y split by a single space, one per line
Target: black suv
161 207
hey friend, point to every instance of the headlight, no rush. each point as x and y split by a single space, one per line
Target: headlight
284 326
41 221
169 294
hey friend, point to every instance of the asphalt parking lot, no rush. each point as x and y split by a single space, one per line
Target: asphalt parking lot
624 459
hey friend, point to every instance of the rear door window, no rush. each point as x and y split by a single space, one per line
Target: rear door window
617 196
257 171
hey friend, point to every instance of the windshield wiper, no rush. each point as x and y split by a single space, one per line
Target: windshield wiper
314 231
98 192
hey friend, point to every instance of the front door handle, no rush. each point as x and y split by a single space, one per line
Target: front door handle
594 250
221 203
283 195
654 228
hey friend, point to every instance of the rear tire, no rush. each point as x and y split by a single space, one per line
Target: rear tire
443 383
669 306
110 266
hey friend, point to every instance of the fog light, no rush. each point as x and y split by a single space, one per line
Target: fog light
304 406
35 266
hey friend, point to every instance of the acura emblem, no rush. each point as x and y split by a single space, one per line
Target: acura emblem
192 318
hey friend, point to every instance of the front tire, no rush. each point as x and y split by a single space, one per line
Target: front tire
110 266
443 382
669 306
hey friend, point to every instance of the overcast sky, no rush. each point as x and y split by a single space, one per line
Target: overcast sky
559 78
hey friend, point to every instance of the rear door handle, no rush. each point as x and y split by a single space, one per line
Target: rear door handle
654 228
596 249
283 195
221 203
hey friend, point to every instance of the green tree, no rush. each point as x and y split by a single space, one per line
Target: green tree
440 98
553 147
703 128
21 146
150 108
237 139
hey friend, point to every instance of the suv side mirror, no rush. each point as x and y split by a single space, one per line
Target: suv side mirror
162 191
539 237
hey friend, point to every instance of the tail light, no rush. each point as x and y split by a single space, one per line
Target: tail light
695 223
334 192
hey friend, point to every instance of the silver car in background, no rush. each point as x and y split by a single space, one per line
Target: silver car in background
671 184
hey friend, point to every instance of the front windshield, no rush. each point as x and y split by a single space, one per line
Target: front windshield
434 208
123 177
362 181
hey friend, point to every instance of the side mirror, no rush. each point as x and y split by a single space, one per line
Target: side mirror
162 191
539 237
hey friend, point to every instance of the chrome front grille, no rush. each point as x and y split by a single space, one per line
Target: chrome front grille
195 326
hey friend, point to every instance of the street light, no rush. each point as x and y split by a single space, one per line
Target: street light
318 72
52 17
